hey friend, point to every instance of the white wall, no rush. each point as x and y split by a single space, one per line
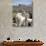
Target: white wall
38 31
40 19
5 18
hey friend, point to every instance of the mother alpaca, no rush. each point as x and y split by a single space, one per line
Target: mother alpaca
22 19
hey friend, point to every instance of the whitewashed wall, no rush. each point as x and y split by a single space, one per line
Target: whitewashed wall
5 18
40 19
38 31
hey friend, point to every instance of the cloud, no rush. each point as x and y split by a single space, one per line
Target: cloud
26 2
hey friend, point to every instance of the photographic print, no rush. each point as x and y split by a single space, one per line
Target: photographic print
22 13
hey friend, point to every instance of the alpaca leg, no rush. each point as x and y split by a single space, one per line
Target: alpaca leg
17 22
20 23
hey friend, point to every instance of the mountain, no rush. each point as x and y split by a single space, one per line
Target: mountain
27 8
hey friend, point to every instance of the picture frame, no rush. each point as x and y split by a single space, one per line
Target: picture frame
22 13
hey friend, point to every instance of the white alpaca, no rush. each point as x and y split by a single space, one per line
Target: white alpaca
22 20
29 20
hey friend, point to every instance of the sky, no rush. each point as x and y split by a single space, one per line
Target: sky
26 2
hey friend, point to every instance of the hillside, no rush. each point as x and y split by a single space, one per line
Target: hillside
27 8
